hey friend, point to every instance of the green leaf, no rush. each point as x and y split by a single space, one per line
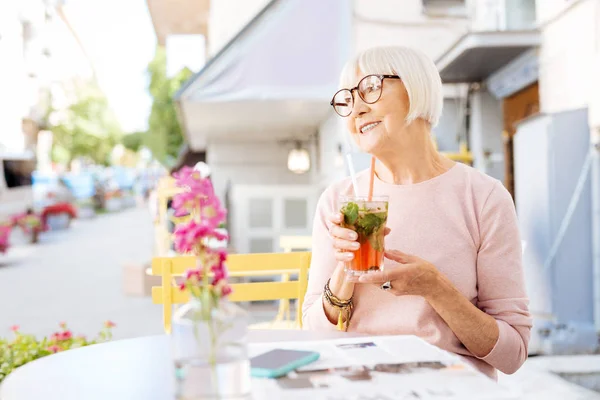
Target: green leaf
369 222
381 215
376 239
350 212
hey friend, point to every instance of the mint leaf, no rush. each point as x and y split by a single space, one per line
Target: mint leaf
376 239
369 222
381 215
350 212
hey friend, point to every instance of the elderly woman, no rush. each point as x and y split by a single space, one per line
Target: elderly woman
453 273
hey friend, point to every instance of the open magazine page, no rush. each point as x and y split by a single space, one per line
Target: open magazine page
377 368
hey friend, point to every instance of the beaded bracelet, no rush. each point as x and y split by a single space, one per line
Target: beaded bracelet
345 307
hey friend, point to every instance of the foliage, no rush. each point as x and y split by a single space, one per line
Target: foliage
24 348
164 136
88 128
134 141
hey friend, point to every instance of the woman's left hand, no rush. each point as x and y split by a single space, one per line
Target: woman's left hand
411 276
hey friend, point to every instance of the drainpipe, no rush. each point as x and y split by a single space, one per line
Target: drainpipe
594 119
595 186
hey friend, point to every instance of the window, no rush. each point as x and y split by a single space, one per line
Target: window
445 8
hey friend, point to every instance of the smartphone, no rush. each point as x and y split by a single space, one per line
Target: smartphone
279 362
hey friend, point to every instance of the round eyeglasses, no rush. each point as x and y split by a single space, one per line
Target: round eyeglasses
369 90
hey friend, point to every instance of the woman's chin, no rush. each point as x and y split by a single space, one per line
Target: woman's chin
370 144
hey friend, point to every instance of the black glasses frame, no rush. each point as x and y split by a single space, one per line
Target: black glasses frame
351 90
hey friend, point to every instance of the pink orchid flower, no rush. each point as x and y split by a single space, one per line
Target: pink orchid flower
194 274
198 235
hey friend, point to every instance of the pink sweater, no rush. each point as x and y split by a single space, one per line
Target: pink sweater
464 223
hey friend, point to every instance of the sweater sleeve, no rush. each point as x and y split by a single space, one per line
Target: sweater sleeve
500 281
322 265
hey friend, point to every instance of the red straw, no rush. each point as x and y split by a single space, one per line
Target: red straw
372 178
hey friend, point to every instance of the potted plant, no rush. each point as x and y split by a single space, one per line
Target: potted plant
209 332
31 225
5 230
24 348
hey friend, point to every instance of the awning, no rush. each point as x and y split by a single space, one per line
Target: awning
274 79
477 55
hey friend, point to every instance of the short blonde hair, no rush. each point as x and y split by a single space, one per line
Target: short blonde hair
417 71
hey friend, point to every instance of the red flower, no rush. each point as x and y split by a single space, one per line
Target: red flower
63 325
56 336
15 328
66 335
193 274
226 290
54 349
109 324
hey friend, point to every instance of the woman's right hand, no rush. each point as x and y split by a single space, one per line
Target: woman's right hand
344 242
344 239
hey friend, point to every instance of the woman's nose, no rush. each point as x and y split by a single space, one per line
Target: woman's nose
360 107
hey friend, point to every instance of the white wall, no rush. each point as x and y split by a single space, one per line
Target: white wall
567 56
451 123
332 133
227 18
250 163
403 23
485 133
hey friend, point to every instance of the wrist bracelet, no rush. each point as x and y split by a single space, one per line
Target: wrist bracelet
345 307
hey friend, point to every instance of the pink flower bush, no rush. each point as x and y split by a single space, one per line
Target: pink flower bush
24 348
109 324
4 237
195 236
54 349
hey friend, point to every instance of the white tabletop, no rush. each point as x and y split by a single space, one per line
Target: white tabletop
131 369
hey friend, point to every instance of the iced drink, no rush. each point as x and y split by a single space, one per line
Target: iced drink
367 219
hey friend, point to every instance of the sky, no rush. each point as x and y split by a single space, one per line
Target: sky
120 40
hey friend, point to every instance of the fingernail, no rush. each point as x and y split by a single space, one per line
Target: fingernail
348 256
353 236
355 246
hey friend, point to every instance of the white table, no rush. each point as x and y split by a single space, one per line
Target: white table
131 369
141 369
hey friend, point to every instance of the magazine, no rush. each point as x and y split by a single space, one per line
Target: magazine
377 368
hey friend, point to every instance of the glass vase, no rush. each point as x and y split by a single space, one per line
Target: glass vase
210 351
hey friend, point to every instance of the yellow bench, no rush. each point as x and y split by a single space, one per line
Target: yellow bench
245 265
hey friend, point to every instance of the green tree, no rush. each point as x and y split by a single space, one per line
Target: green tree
134 141
87 129
164 136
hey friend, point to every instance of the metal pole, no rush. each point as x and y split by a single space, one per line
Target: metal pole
595 179
595 186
